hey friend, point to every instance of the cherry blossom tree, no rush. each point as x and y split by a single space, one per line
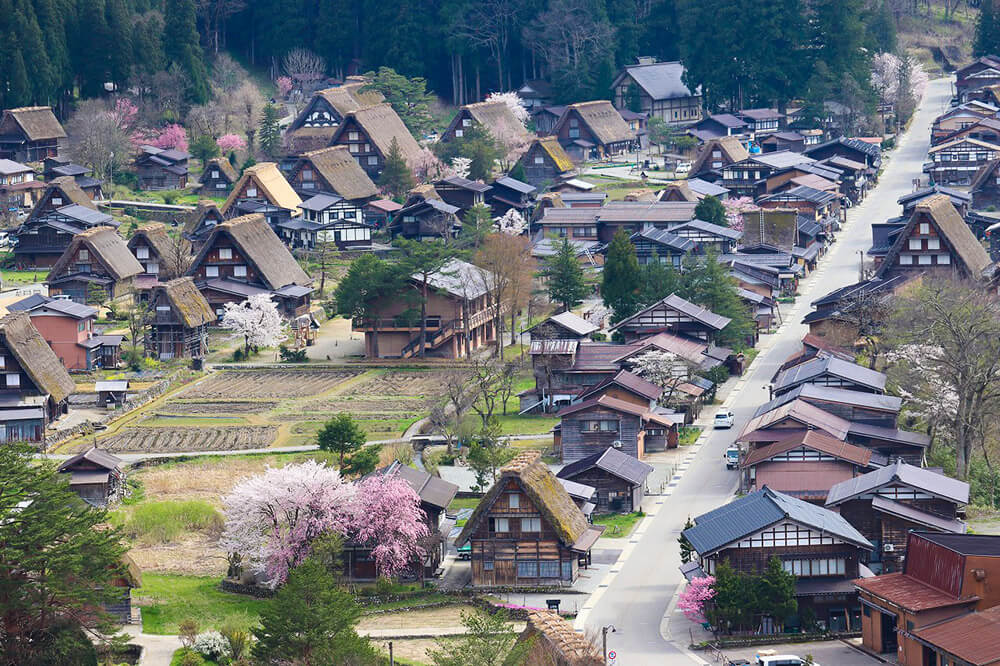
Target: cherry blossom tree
426 167
230 142
666 370
735 209
173 136
461 166
513 102
257 320
389 520
692 600
273 518
303 66
512 223
285 85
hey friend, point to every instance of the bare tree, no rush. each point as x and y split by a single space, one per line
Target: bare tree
304 67
502 262
449 417
567 35
179 257
244 106
866 313
492 381
489 24
207 120
227 74
214 14
97 139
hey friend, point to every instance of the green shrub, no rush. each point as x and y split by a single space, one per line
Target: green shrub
292 355
599 337
165 521
170 196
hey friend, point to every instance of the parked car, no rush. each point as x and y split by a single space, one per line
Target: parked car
724 418
732 457
781 660
465 552
683 167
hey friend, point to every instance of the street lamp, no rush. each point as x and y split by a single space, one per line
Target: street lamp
604 639
861 265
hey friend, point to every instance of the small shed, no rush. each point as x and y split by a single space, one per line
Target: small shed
111 394
96 476
619 478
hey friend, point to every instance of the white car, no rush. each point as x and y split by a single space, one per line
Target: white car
724 418
683 167
781 660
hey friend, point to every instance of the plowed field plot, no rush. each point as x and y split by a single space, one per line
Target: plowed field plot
217 407
369 407
153 440
413 383
265 384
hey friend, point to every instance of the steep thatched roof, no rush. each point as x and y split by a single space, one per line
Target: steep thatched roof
194 218
271 186
546 493
382 125
188 302
604 121
67 189
106 247
341 171
223 165
35 356
497 118
37 122
555 151
155 236
678 191
259 244
730 147
552 640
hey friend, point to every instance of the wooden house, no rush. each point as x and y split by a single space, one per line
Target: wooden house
956 162
946 126
806 464
659 245
746 178
68 328
945 576
545 163
495 117
707 236
967 639
527 531
322 116
888 503
57 167
243 257
333 171
718 125
935 241
112 394
985 186
546 117
178 327
603 223
62 211
673 314
97 258
462 192
198 223
593 130
562 326
329 218
836 315
263 184
30 134
217 178
984 129
18 187
853 177
715 155
535 94
369 133
678 191
551 640
601 421
97 476
619 478
818 546
820 205
154 249
863 152
787 140
425 216
855 406
658 90
980 73
378 213
508 193
160 169
828 370
459 316
35 385
960 199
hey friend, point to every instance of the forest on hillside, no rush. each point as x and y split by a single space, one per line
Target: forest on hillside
742 52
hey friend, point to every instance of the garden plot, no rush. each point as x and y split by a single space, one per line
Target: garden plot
166 439
216 407
267 384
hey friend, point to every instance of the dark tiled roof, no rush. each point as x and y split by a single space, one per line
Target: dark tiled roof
600 355
431 489
965 544
660 80
665 238
612 461
901 473
708 227
96 456
802 412
821 365
630 381
807 392
915 515
675 302
811 439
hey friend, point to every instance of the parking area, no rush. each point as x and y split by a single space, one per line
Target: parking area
825 653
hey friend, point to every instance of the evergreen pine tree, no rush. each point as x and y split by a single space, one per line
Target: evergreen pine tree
687 550
182 47
620 285
987 40
564 277
120 34
269 132
658 280
396 178
32 46
707 283
710 209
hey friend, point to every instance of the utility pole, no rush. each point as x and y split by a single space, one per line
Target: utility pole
391 660
604 640
861 265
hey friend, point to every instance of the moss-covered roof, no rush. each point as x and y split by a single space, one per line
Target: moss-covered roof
188 302
35 356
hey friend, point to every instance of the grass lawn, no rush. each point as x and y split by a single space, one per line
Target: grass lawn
463 503
618 524
168 600
12 278
178 658
514 424
749 355
688 435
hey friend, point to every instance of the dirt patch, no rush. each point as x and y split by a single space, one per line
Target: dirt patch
208 479
430 618
414 649
193 555
414 383
216 407
268 384
151 440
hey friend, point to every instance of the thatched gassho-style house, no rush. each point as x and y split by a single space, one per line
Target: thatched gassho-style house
527 530
368 134
593 129
198 223
154 249
35 385
332 170
263 183
545 161
181 316
496 117
30 134
550 639
97 256
218 177
316 124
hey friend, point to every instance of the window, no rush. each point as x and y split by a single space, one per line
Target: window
368 147
84 255
225 253
153 268
13 379
527 569
352 136
57 201
459 133
81 327
239 271
906 259
867 611
822 567
142 252
3 362
499 525
514 501
916 244
539 159
252 191
211 271
220 186
309 186
599 426
215 173
373 160
466 122
531 524
83 268
354 148
944 259
924 260
717 153
567 571
548 569
925 228
487 565
307 174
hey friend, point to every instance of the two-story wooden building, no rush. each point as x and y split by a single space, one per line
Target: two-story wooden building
672 314
707 236
333 170
179 321
265 185
619 478
161 169
34 385
18 187
603 419
857 150
886 504
462 192
425 216
985 186
658 90
154 249
97 258
199 222
593 130
982 72
956 162
57 167
662 246
821 549
527 531
369 133
319 120
96 476
508 193
243 257
217 178
495 117
717 154
545 162
68 328
30 134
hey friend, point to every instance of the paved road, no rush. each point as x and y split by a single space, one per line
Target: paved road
638 596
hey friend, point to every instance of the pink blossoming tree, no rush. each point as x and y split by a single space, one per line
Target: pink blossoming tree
735 209
173 136
273 518
230 142
692 600
285 85
389 520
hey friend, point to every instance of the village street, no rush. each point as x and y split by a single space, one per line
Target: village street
640 595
